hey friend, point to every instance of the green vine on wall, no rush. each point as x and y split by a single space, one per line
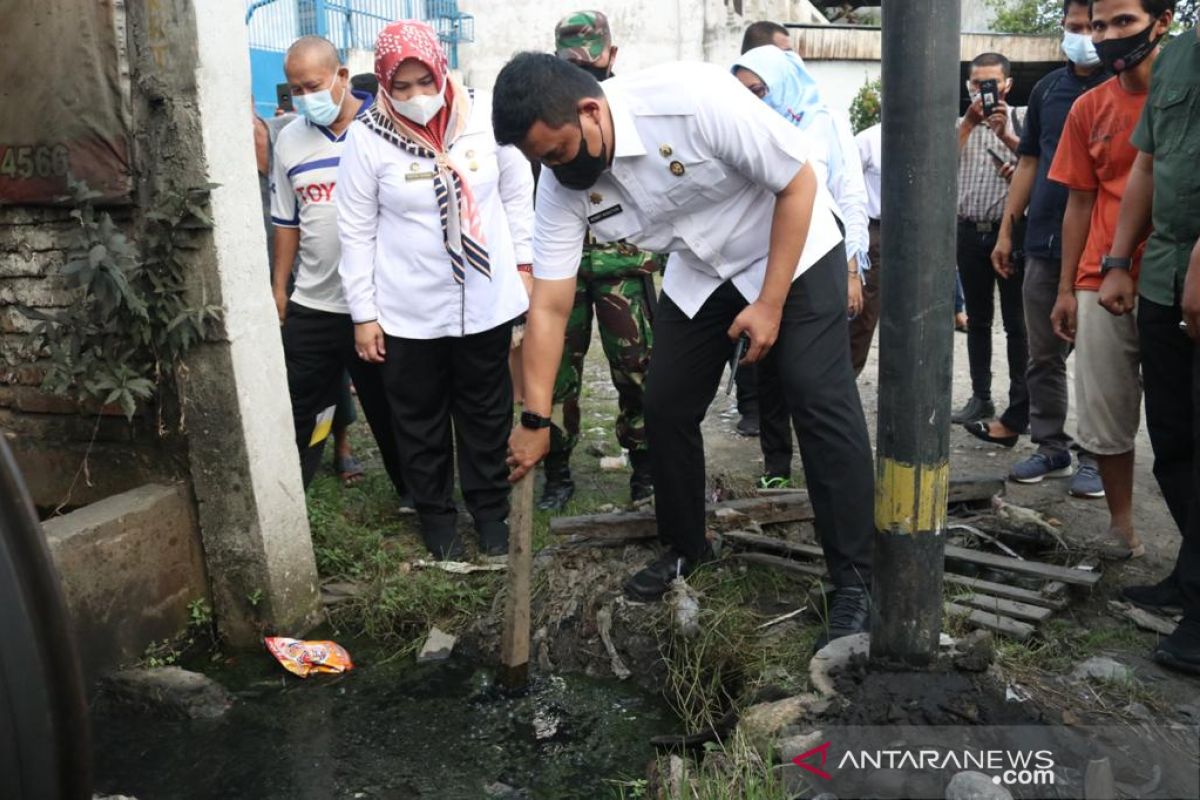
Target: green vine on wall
123 337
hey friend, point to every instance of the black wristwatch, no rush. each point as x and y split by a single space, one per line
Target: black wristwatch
535 422
1112 262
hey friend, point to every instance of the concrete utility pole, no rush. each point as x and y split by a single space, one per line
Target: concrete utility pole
920 175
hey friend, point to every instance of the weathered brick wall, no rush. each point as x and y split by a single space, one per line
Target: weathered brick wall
68 454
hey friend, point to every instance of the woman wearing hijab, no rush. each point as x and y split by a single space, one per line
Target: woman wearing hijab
780 79
435 221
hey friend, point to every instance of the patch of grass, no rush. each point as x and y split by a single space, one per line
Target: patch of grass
734 772
1061 643
730 658
360 537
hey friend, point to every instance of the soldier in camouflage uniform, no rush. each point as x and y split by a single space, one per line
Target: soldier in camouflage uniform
615 284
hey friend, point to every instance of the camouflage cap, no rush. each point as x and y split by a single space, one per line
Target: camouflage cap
582 37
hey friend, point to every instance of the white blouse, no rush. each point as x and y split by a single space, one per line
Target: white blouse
395 268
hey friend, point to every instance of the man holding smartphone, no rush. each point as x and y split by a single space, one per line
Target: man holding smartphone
1046 201
988 136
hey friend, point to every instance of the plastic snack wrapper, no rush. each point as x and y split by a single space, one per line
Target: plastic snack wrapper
304 658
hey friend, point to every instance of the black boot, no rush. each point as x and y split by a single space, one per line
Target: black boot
493 537
651 582
440 533
559 487
1181 650
641 483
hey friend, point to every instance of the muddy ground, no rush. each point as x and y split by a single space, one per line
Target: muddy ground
738 460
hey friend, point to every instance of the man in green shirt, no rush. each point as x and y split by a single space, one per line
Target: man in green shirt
1164 192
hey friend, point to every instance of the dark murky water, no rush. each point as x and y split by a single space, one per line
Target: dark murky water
385 730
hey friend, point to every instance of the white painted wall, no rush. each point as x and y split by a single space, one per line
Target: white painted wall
841 80
645 33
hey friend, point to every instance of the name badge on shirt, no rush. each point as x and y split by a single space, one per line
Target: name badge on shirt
600 216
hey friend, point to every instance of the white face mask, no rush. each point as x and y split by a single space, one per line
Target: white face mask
1079 48
319 107
422 107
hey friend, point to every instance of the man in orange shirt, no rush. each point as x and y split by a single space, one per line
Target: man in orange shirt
1093 161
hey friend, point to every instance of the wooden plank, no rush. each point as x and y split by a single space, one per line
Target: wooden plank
775 545
1065 574
1009 608
764 560
514 637
990 621
1005 591
1077 577
623 526
971 489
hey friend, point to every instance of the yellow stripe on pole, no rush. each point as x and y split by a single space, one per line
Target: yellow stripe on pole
911 498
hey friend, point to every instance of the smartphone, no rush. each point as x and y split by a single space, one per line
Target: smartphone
283 97
989 92
739 352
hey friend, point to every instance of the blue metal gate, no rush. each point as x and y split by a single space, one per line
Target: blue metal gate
350 24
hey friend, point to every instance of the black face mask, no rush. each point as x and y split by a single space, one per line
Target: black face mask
1122 54
599 73
584 169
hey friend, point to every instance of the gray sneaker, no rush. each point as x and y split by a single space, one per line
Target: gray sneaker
1039 466
1086 482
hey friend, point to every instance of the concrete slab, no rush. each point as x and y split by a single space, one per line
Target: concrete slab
129 565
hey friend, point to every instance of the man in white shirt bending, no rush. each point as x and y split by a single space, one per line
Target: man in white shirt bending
318 335
682 159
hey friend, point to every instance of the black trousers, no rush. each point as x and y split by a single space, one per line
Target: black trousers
812 355
447 396
1170 362
318 348
979 282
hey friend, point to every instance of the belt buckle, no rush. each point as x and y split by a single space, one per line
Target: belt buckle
983 227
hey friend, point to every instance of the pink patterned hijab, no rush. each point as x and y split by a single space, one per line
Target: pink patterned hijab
461 225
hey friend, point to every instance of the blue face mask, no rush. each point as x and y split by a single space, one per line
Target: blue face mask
318 107
1079 48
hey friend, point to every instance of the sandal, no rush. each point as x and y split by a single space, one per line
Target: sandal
349 469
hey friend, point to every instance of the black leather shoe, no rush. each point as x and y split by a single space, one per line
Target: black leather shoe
652 581
493 537
444 543
559 488
1161 596
849 613
1181 650
641 482
977 408
748 425
979 429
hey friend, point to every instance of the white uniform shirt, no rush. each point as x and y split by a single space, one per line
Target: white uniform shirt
835 158
395 268
870 152
303 178
697 163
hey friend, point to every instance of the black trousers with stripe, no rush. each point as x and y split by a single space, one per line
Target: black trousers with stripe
812 358
318 347
453 396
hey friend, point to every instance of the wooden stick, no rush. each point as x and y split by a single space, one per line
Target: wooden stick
764 560
622 526
1076 577
514 639
992 622
1009 608
1005 591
